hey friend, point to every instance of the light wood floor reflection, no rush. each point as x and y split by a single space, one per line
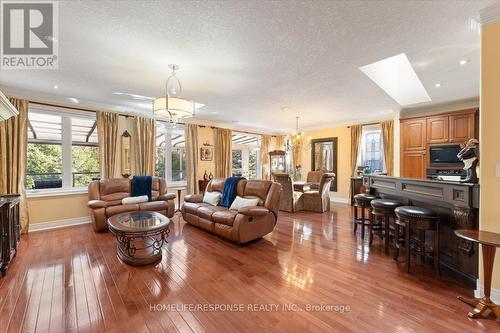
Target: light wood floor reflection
70 280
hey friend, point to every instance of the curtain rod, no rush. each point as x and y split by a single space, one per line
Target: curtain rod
367 124
74 107
234 130
124 115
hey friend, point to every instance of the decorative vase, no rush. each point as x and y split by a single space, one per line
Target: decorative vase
205 175
210 176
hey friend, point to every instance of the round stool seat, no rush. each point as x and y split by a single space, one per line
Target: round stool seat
385 203
364 197
415 212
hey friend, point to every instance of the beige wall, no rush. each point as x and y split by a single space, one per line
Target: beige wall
343 158
489 214
57 208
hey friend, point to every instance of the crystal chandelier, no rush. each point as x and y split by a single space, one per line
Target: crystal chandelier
171 106
298 139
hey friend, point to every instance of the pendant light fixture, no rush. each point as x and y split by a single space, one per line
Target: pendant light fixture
172 107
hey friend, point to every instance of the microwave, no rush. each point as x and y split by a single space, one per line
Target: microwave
445 155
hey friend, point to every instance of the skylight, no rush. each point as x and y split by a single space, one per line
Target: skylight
398 79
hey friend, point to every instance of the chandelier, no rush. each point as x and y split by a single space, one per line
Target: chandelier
298 139
171 106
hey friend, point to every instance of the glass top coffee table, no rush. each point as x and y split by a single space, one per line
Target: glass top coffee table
140 236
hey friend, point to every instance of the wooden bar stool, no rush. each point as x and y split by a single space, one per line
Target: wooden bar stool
412 218
384 210
362 201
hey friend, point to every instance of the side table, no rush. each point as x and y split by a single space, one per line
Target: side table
489 242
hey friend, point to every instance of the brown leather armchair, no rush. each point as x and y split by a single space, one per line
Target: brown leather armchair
319 200
105 200
242 225
291 201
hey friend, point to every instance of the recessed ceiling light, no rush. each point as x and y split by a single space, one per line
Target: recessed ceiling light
285 108
214 112
55 86
396 76
437 85
74 100
463 62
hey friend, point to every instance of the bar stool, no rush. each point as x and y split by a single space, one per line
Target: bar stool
383 209
362 201
419 219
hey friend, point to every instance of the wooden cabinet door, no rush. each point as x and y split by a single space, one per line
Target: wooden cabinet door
414 134
462 127
413 164
437 129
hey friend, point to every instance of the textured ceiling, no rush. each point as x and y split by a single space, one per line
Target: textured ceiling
246 60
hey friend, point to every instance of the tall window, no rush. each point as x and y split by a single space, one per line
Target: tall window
62 148
170 152
246 155
371 149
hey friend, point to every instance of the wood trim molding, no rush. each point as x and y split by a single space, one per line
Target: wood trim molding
59 224
479 292
446 113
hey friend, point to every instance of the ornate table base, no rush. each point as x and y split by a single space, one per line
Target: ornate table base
140 236
136 249
482 305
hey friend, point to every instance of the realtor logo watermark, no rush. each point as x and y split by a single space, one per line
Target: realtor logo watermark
30 33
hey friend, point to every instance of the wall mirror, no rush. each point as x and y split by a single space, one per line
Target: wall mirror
324 157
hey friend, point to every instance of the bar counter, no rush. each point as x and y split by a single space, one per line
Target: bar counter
458 207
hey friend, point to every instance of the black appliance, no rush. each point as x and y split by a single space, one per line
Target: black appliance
445 155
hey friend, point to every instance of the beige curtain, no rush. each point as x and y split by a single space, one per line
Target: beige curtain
279 142
223 152
191 137
107 131
265 144
355 143
296 158
144 146
13 149
388 140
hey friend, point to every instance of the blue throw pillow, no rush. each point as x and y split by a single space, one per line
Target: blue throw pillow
141 185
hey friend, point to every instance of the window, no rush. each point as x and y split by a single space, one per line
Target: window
246 148
371 153
170 152
62 148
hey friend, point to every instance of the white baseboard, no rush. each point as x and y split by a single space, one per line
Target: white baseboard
339 200
495 293
59 224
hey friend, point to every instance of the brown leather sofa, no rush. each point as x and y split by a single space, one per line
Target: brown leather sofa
241 226
105 200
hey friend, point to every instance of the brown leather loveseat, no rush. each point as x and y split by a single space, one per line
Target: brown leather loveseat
242 225
105 199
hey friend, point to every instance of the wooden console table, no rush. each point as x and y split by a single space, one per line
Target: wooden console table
9 229
489 242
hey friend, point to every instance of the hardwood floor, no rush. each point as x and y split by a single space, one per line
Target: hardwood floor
70 280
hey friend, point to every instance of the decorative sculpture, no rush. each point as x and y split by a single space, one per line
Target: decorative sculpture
469 155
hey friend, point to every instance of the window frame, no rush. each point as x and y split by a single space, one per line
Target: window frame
66 147
170 182
366 129
245 154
